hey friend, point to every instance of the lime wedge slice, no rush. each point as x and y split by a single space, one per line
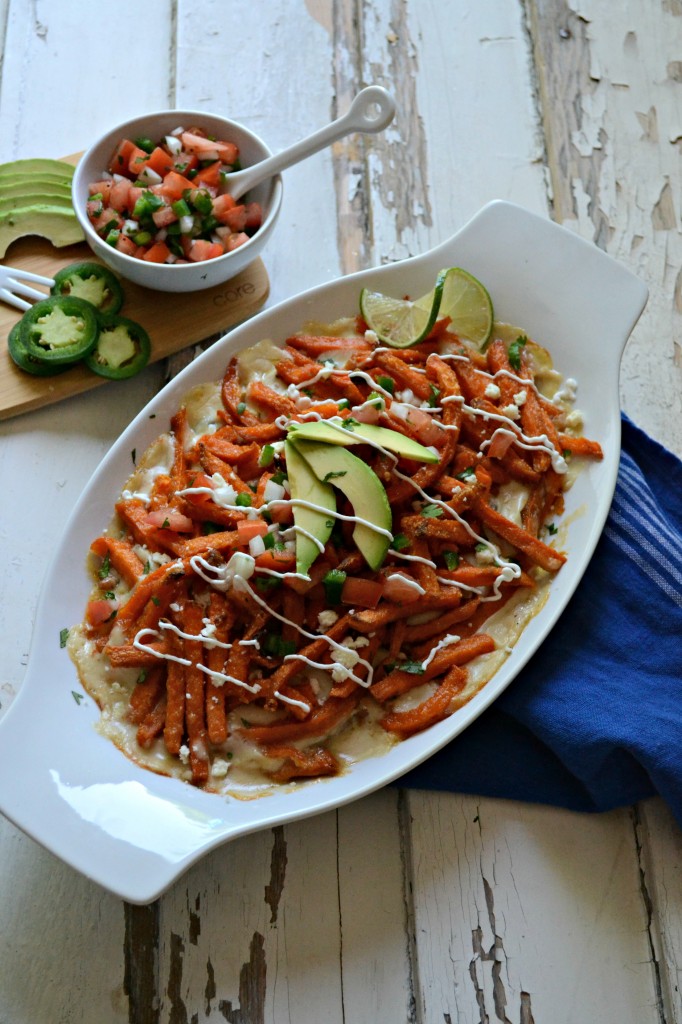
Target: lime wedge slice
467 303
400 322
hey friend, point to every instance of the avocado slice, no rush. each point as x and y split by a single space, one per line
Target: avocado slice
57 223
360 433
306 486
35 190
9 202
37 166
335 464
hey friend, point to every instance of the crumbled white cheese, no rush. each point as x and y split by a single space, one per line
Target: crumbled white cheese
574 420
326 619
153 557
219 768
485 556
520 397
346 659
510 411
372 336
492 391
183 753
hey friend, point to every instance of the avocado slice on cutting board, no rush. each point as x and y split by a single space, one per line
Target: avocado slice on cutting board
306 486
354 478
26 200
56 223
360 433
33 189
37 167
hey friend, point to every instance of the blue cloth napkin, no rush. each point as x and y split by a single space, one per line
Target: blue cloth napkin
594 721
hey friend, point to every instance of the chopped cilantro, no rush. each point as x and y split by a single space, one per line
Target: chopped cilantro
552 529
332 475
165 525
241 408
432 511
400 541
434 396
105 567
208 527
142 676
133 456
78 697
466 474
514 352
63 637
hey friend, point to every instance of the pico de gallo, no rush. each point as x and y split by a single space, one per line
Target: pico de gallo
167 201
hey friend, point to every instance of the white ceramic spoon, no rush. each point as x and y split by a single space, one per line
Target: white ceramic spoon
370 112
135 832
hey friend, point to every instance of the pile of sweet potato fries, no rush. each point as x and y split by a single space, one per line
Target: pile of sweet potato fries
445 523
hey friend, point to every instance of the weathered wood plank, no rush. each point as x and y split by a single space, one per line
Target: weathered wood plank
609 82
57 86
527 913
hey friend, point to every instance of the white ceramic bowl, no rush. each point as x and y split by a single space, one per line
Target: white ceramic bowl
187 277
135 832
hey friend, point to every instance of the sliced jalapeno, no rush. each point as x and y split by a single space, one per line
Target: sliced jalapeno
92 282
59 330
122 348
26 362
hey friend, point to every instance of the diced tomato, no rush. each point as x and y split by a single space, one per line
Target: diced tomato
228 152
184 162
234 240
200 480
174 185
282 514
499 444
247 529
203 250
170 519
222 205
235 219
399 589
99 611
254 216
361 593
134 194
209 175
121 158
164 216
423 425
119 195
158 253
102 188
280 561
160 161
107 220
126 245
136 161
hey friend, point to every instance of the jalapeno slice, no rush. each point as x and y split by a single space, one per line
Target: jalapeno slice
122 348
59 330
92 282
24 361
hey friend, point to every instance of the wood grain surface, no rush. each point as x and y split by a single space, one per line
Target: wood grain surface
173 321
414 907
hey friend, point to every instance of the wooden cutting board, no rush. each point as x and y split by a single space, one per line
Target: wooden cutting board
172 321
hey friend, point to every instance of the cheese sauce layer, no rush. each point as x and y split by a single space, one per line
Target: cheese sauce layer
329 551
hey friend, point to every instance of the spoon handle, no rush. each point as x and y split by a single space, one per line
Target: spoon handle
371 111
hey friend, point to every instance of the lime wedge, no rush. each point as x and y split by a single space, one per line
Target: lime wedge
467 303
401 323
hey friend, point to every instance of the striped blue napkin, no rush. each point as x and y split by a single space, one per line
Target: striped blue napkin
594 721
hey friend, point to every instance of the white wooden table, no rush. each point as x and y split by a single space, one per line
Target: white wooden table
413 907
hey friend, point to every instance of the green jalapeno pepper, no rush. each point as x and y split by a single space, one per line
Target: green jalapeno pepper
122 348
26 362
92 282
59 330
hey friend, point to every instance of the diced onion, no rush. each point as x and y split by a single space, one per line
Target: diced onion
256 546
273 491
174 144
